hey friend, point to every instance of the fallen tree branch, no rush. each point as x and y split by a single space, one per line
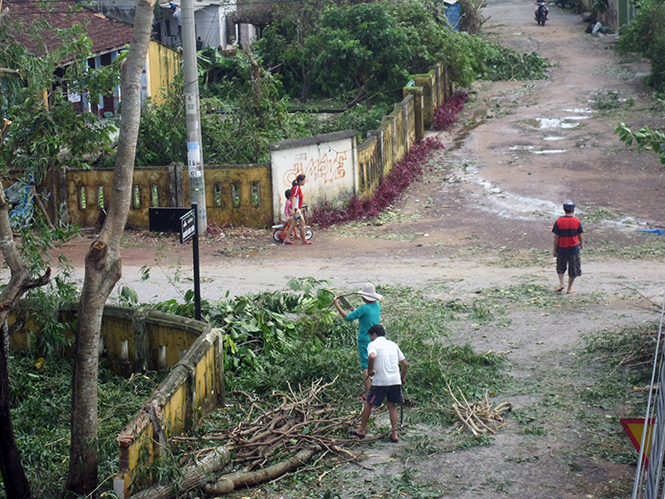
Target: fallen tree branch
228 483
193 476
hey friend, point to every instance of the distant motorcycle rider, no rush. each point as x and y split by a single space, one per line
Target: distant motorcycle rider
541 5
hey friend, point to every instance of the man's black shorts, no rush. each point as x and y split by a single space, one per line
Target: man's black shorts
573 262
376 394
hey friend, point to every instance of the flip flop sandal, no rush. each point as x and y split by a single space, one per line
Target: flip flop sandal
289 242
356 434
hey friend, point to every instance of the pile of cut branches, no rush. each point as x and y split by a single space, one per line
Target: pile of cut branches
479 417
275 438
301 420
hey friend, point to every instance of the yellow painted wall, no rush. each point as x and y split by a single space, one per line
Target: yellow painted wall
400 144
370 167
388 152
248 213
175 340
163 64
146 180
427 81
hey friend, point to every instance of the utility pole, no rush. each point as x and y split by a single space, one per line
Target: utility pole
193 115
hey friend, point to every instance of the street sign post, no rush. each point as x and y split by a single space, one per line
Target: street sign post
184 221
187 226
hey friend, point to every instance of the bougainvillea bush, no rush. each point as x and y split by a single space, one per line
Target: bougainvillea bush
399 178
446 114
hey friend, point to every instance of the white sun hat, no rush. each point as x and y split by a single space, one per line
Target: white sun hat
369 292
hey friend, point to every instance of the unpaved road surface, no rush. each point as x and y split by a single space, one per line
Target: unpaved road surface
481 218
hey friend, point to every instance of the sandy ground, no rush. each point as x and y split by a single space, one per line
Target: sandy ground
487 200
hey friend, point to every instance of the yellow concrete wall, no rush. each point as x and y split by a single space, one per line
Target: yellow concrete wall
409 103
136 444
163 64
370 167
174 339
174 412
92 180
388 152
427 82
247 213
115 330
206 373
400 145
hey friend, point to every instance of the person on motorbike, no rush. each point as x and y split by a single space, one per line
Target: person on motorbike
541 3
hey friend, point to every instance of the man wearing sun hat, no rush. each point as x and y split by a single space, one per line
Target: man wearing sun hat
367 315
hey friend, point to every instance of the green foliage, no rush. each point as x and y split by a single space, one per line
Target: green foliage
645 35
645 139
41 129
507 64
358 49
162 137
241 117
356 118
44 307
41 404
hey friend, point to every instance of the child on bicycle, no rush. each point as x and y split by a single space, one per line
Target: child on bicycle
298 219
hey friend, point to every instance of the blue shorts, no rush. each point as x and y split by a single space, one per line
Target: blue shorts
393 393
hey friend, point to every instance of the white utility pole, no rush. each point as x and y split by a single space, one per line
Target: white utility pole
193 115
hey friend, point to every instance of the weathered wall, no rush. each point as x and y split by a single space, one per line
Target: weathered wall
141 339
237 194
328 161
428 83
253 195
162 63
370 166
193 388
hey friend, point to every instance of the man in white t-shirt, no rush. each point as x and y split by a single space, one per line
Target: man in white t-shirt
388 365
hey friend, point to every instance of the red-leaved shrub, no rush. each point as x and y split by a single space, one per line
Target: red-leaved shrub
399 178
446 114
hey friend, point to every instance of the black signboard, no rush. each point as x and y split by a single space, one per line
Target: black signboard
187 226
166 219
181 220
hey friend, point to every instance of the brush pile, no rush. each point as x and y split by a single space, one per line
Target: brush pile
479 417
301 420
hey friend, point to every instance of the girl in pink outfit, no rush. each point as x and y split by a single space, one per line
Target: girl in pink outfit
296 204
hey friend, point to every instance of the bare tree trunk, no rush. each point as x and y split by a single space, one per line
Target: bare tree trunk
103 267
13 475
193 476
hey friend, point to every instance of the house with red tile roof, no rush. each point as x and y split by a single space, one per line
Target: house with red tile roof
109 38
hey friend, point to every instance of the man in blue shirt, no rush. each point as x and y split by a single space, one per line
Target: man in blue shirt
367 315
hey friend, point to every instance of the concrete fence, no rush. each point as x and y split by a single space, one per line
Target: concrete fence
135 340
253 195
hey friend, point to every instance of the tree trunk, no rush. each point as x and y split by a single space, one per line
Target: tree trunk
228 483
193 476
103 267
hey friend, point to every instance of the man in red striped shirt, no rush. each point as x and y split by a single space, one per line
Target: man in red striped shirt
568 242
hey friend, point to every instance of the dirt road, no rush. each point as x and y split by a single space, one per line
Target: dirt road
479 219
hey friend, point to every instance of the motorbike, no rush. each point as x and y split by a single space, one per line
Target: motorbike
277 229
541 13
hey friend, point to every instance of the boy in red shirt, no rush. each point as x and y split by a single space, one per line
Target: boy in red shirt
567 244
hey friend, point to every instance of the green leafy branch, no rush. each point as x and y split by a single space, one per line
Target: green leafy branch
645 138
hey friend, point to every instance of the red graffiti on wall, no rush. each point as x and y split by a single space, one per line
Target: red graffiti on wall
325 169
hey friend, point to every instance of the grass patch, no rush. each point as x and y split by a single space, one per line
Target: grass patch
41 405
599 214
652 248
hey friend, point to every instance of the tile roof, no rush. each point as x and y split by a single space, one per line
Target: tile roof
106 34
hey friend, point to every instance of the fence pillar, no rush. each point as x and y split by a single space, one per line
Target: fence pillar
175 185
417 93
